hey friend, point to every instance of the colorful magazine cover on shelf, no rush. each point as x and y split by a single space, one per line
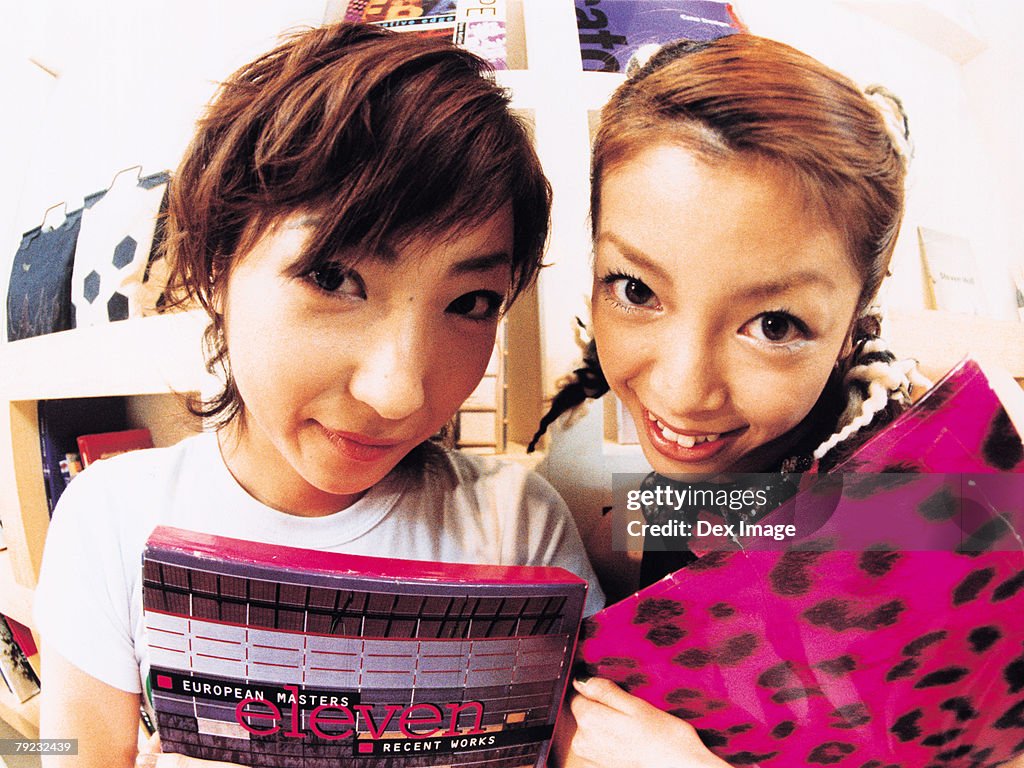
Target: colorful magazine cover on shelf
476 25
271 655
857 644
611 31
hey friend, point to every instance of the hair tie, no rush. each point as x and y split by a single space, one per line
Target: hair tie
640 57
897 124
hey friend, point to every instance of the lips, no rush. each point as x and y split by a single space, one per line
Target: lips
359 447
686 446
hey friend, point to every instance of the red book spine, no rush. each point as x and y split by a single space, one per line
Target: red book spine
103 445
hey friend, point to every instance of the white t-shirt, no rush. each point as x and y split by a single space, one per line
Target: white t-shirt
88 605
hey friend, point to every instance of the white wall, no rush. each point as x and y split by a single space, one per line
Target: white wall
966 174
132 78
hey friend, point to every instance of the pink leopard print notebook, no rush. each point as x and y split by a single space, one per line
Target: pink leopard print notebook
852 651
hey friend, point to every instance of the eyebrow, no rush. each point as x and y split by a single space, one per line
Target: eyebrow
473 264
483 263
758 291
791 282
634 256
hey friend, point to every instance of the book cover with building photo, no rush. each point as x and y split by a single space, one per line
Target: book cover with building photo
271 655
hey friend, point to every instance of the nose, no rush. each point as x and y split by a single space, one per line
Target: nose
389 373
688 375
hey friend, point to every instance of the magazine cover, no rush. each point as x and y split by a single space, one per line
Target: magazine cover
271 655
889 633
612 30
476 25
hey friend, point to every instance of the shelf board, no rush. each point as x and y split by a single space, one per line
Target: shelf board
940 339
134 357
15 599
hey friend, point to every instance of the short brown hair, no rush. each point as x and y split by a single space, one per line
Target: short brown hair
747 95
381 135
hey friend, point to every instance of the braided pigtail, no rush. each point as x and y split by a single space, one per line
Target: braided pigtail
586 382
878 388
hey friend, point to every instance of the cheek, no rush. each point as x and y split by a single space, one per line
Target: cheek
455 365
777 401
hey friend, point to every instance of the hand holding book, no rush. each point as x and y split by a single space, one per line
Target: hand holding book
613 727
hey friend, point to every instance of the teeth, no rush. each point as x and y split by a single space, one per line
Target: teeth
686 441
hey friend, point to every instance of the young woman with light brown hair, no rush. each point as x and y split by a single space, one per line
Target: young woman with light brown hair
745 203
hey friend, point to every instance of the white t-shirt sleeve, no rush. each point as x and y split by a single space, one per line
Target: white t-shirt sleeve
82 602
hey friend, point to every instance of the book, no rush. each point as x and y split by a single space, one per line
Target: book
481 27
271 655
22 635
951 272
15 670
871 641
103 445
60 424
610 31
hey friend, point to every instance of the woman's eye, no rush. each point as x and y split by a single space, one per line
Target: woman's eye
631 292
776 328
478 305
334 279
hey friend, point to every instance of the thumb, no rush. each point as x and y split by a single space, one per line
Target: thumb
606 692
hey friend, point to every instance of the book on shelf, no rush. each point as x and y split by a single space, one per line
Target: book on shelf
951 271
60 424
269 653
23 638
479 26
22 635
886 632
16 673
103 445
611 31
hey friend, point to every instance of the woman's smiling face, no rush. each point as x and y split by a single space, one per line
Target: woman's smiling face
720 306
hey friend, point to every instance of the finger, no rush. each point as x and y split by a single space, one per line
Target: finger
606 692
152 745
